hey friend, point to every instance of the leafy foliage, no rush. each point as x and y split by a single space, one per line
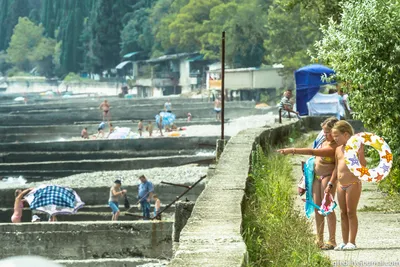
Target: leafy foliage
29 46
364 50
276 234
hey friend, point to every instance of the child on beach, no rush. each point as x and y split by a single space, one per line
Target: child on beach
19 204
323 169
100 129
140 127
159 124
349 186
149 128
157 207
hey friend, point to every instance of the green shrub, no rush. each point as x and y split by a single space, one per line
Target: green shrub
276 234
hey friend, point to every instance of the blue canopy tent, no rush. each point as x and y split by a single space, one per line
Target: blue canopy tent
308 82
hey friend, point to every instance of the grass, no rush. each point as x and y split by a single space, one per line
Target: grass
276 234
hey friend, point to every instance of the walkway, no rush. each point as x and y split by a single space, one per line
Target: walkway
378 238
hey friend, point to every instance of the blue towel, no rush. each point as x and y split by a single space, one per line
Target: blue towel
53 195
309 176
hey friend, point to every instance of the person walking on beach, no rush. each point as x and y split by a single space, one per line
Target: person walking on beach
217 109
19 205
145 194
105 106
140 127
168 106
149 128
113 201
159 123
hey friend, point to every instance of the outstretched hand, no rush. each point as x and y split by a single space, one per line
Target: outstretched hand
283 151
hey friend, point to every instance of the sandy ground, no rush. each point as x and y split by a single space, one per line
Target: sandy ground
378 238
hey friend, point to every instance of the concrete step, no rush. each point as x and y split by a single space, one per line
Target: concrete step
142 144
88 240
76 128
115 262
105 165
95 195
42 156
106 208
118 114
25 109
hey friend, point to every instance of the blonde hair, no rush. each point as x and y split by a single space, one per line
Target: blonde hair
155 196
329 122
343 127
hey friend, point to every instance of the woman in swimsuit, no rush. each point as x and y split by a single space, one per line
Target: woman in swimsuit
106 109
19 204
349 189
323 168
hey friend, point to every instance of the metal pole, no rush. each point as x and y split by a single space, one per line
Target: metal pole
181 185
181 195
223 86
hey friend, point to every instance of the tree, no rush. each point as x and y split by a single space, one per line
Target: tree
106 33
244 33
17 9
28 47
137 33
290 36
363 49
322 10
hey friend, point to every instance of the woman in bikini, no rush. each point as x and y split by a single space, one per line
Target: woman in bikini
106 109
19 204
324 166
349 189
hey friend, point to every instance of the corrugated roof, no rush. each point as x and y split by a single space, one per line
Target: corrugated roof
170 57
130 54
122 64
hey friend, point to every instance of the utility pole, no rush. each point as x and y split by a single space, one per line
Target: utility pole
223 85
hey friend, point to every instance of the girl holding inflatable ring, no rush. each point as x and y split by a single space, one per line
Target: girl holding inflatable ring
349 189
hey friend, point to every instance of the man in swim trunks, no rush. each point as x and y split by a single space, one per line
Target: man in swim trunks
217 109
106 109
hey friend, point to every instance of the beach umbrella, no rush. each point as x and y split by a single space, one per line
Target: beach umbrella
167 118
54 200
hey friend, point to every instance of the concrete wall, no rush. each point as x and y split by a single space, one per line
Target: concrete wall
212 235
253 78
142 144
101 88
184 72
87 240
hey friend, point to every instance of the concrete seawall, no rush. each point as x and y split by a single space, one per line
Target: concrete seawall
87 240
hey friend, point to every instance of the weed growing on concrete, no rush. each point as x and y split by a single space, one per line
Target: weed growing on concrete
276 234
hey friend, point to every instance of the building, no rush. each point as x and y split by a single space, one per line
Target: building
166 75
248 83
